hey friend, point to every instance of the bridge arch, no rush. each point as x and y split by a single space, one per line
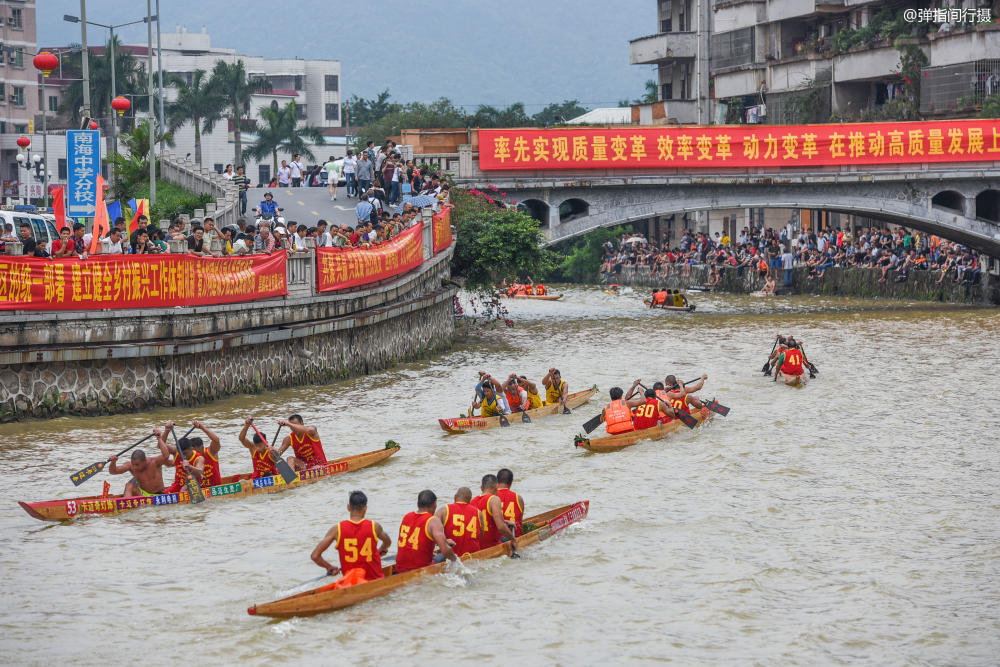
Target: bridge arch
573 208
988 205
949 199
536 208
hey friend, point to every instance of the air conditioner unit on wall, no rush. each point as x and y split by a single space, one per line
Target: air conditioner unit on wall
13 98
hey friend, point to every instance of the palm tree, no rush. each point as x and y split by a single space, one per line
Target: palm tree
132 167
237 89
199 103
279 131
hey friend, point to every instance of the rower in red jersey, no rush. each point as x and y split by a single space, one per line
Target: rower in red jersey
419 533
260 453
494 525
650 412
681 395
304 441
186 462
511 503
355 540
213 474
461 523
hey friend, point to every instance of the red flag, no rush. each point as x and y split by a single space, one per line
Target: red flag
141 208
59 208
101 226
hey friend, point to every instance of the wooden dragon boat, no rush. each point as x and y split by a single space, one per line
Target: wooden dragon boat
794 380
466 424
318 600
233 486
680 309
537 297
613 443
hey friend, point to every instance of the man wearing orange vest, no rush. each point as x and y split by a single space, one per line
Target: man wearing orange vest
511 503
461 523
617 416
304 441
419 533
355 539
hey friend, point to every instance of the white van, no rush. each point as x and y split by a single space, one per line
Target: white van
43 226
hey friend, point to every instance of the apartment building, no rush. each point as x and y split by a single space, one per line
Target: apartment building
19 91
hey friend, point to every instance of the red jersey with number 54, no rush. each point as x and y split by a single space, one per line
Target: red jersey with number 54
461 524
415 547
358 548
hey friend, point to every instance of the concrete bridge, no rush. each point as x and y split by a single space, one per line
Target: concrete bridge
961 203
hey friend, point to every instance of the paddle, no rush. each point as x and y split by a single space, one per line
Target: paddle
309 585
525 419
766 370
717 407
685 418
281 464
91 470
193 485
594 422
777 365
809 364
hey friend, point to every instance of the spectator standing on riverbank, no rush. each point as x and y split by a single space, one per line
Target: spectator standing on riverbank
366 171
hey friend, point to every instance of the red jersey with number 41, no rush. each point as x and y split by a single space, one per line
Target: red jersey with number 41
357 545
415 548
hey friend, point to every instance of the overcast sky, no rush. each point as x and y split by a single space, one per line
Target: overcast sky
471 51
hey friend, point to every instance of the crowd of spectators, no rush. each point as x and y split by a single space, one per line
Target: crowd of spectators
775 254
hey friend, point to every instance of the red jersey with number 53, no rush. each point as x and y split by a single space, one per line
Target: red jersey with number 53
461 524
358 548
415 547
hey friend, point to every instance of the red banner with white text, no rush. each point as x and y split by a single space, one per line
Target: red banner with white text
442 229
340 268
726 146
138 281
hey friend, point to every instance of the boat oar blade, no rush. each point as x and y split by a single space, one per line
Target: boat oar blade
525 419
88 472
280 464
717 407
592 423
503 420
194 490
688 420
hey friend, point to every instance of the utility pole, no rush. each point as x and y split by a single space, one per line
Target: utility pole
159 69
114 94
152 113
85 59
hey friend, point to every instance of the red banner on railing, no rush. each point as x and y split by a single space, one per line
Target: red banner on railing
138 281
442 229
724 146
340 268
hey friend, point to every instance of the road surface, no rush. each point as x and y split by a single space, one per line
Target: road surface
307 205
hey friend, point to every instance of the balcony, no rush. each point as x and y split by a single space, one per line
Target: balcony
666 111
664 46
866 64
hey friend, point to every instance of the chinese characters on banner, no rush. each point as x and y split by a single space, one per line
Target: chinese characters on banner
442 229
339 268
83 162
138 281
726 146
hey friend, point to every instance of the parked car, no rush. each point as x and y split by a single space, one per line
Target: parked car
43 225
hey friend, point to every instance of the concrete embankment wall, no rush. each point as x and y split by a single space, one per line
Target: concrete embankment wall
102 362
920 286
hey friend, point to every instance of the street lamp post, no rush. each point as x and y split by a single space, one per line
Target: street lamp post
45 62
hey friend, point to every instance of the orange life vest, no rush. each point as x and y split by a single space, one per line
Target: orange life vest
514 400
618 417
665 417
415 548
659 298
461 525
357 545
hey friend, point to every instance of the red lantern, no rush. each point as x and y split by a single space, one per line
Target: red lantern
23 142
46 62
120 104
93 124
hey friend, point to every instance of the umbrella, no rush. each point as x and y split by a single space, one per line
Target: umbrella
422 200
635 239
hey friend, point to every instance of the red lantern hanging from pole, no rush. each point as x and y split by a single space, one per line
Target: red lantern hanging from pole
93 124
121 105
46 62
24 142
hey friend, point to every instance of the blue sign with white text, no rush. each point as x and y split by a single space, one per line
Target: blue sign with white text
83 163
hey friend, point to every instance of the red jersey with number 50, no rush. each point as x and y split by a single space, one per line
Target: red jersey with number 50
308 449
513 508
489 536
461 524
358 548
415 547
646 415
681 404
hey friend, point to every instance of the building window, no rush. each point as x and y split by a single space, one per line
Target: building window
20 129
333 112
332 83
62 169
3 93
53 103
733 48
665 25
684 89
16 19
300 111
667 91
17 58
17 96
298 83
218 167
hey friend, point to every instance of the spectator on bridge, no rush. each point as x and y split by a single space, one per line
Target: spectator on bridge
242 181
296 169
268 207
366 169
363 211
62 247
284 175
196 242
350 175
227 173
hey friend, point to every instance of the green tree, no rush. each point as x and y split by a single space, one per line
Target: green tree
367 111
552 114
494 242
278 130
237 89
199 104
132 166
652 94
579 260
414 115
488 116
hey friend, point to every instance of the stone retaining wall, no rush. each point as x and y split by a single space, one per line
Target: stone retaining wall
920 286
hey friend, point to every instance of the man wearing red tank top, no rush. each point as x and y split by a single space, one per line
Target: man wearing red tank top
304 441
355 542
419 533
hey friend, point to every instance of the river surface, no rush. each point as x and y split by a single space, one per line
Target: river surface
855 520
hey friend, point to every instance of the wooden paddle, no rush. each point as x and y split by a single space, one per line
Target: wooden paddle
766 370
717 407
281 464
94 468
193 485
809 364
